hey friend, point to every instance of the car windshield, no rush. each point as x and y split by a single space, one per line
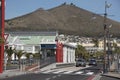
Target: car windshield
81 60
93 60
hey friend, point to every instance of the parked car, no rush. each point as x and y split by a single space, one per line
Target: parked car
93 62
80 62
14 62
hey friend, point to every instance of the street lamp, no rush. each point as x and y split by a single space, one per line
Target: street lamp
109 51
105 37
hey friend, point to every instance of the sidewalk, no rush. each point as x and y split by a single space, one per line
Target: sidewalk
16 72
10 73
112 72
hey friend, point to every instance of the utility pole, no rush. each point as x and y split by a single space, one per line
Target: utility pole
105 38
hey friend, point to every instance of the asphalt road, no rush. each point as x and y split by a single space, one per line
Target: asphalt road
49 77
65 73
69 73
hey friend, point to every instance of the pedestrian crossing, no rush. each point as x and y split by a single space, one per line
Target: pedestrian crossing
67 72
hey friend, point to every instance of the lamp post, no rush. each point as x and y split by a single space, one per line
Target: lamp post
109 50
105 37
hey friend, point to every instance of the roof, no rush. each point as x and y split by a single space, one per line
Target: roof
32 38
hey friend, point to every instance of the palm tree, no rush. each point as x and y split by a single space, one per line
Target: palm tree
19 54
28 55
9 52
36 55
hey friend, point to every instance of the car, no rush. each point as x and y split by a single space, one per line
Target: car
14 62
93 62
80 62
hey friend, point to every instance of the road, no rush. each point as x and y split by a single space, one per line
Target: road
49 77
65 73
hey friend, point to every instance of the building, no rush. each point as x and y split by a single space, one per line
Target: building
43 43
65 53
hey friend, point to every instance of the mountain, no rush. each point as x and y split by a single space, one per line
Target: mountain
66 19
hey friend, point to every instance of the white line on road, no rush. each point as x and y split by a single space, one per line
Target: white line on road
57 72
80 72
89 73
67 72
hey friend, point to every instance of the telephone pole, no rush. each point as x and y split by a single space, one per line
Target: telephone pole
105 38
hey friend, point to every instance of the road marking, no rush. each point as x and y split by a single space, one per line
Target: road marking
67 72
56 72
80 72
90 73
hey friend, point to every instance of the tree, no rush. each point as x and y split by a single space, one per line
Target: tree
95 41
36 55
98 54
19 54
28 55
81 51
9 52
116 48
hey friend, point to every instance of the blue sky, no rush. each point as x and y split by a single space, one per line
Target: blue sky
16 8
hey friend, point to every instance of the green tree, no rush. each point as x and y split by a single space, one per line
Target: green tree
81 52
27 55
9 52
36 55
116 48
95 41
19 54
98 54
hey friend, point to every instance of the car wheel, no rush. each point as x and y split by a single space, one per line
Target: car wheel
84 65
76 65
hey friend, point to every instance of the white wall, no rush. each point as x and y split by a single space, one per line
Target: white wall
68 54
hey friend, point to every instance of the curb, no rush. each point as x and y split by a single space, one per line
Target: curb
64 65
110 76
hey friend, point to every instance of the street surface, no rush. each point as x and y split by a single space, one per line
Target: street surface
48 77
65 73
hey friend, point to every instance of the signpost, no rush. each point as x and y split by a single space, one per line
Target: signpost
2 14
